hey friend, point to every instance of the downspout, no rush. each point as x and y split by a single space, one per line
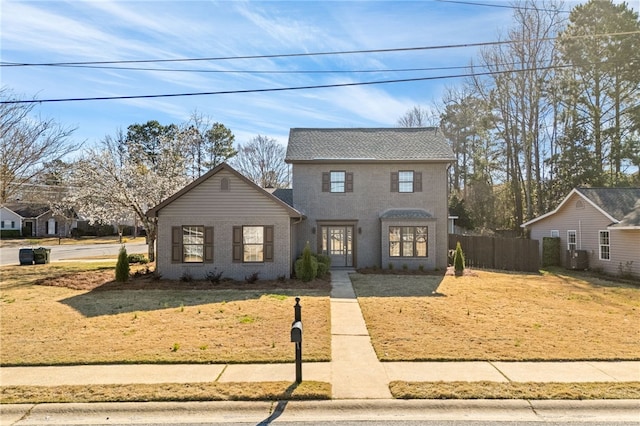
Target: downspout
580 234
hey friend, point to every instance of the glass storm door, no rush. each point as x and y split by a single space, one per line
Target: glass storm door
337 243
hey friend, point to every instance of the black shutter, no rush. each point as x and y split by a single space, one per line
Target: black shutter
176 244
394 181
208 244
417 181
348 182
326 182
237 243
268 243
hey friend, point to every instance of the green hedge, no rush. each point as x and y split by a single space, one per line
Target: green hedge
10 233
550 251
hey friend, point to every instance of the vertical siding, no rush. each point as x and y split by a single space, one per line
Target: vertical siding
370 197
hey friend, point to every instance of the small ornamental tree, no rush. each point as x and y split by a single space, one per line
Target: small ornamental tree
458 260
307 266
122 267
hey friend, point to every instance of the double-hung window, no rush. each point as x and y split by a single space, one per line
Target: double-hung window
337 181
571 240
408 241
191 244
406 181
253 244
604 246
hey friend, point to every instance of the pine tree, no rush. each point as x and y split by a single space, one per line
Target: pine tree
122 267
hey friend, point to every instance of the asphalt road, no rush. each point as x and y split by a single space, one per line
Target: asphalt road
341 412
9 255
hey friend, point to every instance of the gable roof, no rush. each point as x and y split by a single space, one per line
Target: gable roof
368 144
28 211
224 166
617 204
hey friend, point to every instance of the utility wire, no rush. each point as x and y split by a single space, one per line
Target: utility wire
505 6
279 89
293 55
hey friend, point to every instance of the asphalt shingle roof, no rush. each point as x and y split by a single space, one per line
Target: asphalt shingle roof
368 144
618 202
285 195
28 210
406 214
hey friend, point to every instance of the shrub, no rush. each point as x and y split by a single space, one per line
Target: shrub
550 251
214 276
138 258
10 233
458 260
186 277
307 266
122 266
252 278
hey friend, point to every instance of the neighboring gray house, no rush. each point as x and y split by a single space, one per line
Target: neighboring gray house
365 197
600 224
33 220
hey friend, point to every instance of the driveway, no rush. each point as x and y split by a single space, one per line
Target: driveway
9 255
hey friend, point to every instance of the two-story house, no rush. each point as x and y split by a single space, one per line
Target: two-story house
365 197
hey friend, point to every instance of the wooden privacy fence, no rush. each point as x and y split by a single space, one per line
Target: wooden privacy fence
510 254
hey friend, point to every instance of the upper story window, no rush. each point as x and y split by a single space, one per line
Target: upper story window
605 248
555 233
406 181
338 181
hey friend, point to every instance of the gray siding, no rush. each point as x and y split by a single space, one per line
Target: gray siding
625 251
587 221
370 197
208 205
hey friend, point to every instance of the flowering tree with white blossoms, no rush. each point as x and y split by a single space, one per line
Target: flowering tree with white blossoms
115 182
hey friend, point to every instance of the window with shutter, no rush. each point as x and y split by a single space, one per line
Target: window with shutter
394 181
349 182
326 182
176 244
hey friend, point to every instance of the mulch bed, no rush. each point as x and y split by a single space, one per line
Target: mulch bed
104 281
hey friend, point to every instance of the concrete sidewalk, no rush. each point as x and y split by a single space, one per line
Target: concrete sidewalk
354 372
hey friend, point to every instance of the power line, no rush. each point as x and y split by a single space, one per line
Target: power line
294 55
505 6
280 89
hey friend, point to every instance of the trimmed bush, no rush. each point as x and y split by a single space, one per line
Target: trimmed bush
324 263
122 267
138 258
458 260
307 266
550 251
10 233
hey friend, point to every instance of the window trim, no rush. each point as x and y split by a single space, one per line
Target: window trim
601 246
177 244
327 182
575 239
416 185
267 244
414 241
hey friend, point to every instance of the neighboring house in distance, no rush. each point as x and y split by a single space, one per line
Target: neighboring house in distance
32 220
365 197
602 223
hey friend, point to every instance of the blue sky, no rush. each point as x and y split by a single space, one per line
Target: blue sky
79 31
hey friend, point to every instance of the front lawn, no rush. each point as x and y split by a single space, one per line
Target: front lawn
74 313
500 316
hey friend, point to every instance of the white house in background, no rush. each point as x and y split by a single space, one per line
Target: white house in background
601 225
33 220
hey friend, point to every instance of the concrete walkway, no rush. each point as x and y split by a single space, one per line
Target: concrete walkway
354 372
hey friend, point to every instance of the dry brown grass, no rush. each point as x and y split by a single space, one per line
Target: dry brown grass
148 321
500 316
513 390
270 391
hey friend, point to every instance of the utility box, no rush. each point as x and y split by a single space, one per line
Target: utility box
41 255
577 260
25 255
